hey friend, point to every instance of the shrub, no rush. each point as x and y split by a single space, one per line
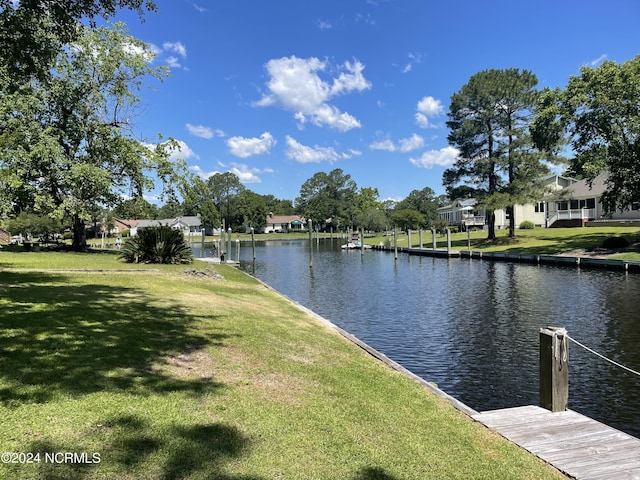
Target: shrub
526 225
615 242
160 244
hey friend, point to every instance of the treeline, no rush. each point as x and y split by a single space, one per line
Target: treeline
68 151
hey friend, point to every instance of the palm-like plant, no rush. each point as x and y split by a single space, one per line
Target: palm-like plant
160 244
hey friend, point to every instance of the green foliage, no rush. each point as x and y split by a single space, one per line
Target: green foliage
407 218
599 112
161 244
489 122
29 224
527 225
328 196
224 190
66 144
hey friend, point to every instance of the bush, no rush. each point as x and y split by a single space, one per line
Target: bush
160 244
615 242
527 225
125 233
67 235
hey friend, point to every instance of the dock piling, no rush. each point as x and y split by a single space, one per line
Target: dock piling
554 369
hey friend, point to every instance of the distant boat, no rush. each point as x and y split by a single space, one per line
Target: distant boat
354 243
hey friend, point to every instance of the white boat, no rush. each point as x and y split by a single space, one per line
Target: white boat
354 243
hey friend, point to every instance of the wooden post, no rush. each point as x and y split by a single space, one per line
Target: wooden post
361 242
408 238
554 369
433 237
253 242
448 240
229 251
202 254
310 226
395 243
420 238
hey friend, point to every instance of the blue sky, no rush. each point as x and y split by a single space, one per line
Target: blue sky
276 91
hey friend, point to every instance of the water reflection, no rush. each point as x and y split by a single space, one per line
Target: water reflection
472 326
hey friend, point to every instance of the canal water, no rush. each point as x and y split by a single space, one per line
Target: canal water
472 326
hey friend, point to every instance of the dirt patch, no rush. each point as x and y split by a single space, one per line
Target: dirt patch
209 273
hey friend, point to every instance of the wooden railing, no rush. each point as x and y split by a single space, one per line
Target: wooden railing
575 214
472 221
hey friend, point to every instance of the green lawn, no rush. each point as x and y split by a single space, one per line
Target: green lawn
169 376
536 241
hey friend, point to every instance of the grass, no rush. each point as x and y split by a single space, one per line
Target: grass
168 376
534 241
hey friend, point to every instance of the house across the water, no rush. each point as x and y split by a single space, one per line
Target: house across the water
568 203
284 223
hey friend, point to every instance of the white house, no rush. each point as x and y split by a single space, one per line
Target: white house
188 224
284 223
581 204
466 214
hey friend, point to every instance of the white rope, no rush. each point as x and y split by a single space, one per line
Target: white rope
602 356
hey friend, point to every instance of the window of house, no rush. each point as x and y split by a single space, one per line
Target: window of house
635 206
563 206
574 204
539 207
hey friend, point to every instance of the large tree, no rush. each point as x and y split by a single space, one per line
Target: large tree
328 196
33 32
196 200
225 189
599 112
489 121
425 202
67 146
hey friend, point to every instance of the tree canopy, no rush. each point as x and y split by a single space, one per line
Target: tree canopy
66 145
599 114
489 121
33 32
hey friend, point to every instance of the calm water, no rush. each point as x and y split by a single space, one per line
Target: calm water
472 326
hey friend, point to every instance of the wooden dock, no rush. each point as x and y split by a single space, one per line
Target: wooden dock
576 445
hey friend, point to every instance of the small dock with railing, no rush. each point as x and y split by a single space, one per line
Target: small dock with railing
576 445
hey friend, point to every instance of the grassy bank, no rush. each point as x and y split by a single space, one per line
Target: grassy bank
534 241
166 375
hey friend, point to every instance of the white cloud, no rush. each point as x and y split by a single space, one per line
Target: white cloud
427 107
175 47
295 85
246 174
316 154
182 151
248 147
323 25
204 132
414 142
599 60
444 157
200 172
387 145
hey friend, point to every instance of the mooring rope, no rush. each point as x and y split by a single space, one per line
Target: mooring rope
602 356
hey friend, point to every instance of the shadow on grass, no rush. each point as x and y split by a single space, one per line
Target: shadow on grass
132 444
373 473
58 338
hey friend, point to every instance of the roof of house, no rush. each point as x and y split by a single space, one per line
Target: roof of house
584 188
189 221
280 219
460 203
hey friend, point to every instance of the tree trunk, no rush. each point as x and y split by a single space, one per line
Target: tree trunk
79 233
512 221
491 225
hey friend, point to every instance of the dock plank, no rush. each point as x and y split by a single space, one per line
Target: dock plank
577 445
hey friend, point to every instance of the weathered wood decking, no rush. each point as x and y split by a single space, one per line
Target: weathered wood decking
576 445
